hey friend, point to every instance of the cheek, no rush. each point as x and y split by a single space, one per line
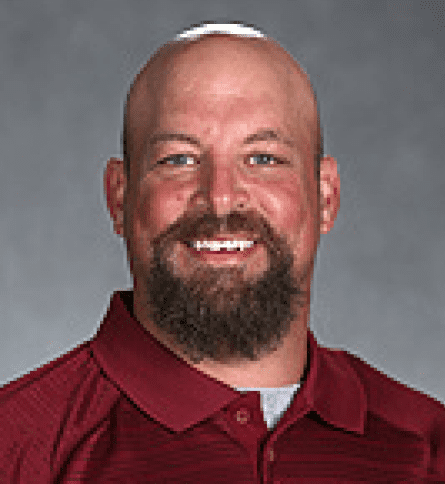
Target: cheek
285 204
305 231
157 208
290 212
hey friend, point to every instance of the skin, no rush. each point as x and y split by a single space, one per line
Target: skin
244 325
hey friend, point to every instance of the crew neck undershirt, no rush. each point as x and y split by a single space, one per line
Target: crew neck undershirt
274 401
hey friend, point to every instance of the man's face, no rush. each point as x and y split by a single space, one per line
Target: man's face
231 178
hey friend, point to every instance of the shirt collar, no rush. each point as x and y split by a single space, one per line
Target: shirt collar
178 395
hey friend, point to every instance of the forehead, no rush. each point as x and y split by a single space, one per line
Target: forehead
221 77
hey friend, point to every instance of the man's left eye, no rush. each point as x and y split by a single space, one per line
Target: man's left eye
263 159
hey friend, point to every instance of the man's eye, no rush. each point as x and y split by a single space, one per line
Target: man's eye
176 159
263 159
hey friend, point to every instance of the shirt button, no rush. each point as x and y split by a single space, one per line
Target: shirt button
271 455
242 416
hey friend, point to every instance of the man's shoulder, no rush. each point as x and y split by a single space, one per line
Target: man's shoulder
35 399
43 413
396 402
54 376
37 403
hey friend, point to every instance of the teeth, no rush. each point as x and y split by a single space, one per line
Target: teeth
227 245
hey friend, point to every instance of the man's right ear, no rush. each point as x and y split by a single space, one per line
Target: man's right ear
115 183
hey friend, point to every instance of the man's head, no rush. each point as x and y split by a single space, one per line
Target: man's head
222 133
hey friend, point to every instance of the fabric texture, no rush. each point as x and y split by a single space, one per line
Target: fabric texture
122 408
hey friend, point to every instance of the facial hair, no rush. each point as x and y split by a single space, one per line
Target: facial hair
217 313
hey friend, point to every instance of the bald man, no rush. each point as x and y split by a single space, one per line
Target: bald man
206 371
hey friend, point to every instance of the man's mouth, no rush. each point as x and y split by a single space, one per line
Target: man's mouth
220 246
222 251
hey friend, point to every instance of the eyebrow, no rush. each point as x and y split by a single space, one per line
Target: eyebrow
266 135
260 135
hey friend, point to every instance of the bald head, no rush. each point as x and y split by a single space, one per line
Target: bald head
222 69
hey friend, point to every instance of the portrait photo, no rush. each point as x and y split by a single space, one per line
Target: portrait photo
223 246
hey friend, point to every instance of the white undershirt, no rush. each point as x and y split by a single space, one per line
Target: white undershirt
274 401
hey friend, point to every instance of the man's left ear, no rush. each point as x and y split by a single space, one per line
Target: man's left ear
329 193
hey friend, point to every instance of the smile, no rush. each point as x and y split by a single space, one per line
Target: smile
221 246
222 252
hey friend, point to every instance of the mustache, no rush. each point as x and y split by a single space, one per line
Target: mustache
205 226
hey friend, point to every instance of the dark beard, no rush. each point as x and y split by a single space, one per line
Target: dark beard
215 313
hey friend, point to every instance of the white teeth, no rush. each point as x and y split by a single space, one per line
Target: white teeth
227 244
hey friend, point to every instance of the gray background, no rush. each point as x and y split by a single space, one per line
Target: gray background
378 68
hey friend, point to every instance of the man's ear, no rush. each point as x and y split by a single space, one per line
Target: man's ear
329 193
115 184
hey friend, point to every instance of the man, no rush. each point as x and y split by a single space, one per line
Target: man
206 372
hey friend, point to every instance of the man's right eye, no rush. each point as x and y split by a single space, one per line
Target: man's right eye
182 159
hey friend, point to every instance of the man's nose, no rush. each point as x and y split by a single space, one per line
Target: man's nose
222 187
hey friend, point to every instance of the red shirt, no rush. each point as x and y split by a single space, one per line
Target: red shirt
122 408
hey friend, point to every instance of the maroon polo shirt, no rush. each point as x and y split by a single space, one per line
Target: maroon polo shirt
122 408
